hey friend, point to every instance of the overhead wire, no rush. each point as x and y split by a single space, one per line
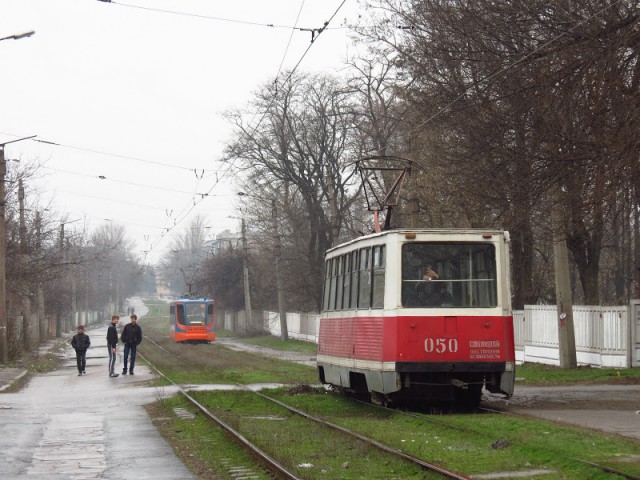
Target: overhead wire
216 18
115 155
287 79
124 182
316 32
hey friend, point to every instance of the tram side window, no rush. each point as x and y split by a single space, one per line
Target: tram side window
346 288
332 285
378 277
327 285
209 313
180 314
364 294
340 282
353 304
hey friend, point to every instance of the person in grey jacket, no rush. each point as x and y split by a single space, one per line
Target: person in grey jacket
81 343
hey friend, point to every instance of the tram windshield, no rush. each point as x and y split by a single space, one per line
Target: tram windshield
196 313
449 275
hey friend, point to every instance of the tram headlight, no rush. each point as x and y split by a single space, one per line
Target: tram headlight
509 367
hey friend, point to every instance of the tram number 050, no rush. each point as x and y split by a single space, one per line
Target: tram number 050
440 345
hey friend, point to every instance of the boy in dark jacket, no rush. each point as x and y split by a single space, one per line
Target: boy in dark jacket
81 342
112 344
131 337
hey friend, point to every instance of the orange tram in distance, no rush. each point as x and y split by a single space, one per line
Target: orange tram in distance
192 320
419 315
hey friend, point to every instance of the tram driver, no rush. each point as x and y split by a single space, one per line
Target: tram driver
428 293
430 274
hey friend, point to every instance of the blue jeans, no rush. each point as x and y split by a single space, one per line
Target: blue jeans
129 348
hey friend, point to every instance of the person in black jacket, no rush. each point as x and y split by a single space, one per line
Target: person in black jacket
131 337
81 342
112 344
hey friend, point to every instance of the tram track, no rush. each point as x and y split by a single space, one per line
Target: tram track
602 468
382 447
263 458
272 464
424 418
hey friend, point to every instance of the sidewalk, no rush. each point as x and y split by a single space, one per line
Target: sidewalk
65 426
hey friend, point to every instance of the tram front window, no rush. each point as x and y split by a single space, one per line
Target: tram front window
196 313
449 275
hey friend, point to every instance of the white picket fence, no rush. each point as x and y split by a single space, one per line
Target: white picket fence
605 336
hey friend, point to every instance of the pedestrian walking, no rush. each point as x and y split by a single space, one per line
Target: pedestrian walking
112 344
131 337
81 343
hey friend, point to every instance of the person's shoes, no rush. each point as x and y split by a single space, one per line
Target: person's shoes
84 373
79 374
130 373
114 374
124 372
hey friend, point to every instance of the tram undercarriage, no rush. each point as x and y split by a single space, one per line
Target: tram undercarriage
462 389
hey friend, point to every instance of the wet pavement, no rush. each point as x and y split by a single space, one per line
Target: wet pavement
65 426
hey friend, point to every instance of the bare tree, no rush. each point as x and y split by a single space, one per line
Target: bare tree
186 256
514 102
296 152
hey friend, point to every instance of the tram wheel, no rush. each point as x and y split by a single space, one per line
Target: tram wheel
469 398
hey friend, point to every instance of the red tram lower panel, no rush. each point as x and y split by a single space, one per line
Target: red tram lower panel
427 355
194 334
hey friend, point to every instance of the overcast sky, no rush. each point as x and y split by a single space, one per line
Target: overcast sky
135 95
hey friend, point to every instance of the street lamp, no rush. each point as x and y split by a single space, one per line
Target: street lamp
18 36
4 346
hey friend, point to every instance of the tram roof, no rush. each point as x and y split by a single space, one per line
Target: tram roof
193 299
418 231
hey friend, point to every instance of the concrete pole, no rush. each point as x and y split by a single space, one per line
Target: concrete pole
42 319
564 300
59 319
245 271
282 309
4 346
24 285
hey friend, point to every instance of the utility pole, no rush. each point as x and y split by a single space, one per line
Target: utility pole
4 345
59 319
42 320
24 285
564 300
74 295
281 301
566 333
245 274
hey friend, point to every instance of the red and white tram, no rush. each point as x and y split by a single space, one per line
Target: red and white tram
419 316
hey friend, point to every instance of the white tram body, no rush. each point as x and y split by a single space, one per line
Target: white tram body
419 315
